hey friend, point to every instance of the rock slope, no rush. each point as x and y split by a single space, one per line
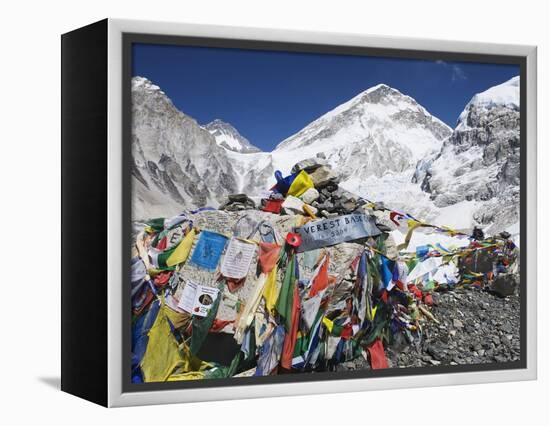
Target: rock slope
177 163
228 137
479 163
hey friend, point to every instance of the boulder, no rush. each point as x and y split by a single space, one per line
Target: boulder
383 228
294 205
326 205
310 196
505 284
505 235
332 187
276 196
233 223
238 198
238 202
308 165
323 176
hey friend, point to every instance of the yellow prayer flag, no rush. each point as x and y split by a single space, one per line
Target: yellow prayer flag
183 249
300 184
271 293
412 225
328 324
192 375
164 355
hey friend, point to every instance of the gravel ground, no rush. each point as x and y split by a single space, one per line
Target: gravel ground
475 327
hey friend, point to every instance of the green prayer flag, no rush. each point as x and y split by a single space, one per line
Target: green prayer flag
200 327
286 295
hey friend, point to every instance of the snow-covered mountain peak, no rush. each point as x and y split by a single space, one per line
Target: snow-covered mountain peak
480 161
505 95
229 138
177 163
383 95
144 84
380 86
380 122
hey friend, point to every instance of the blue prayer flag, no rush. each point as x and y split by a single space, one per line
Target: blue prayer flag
208 251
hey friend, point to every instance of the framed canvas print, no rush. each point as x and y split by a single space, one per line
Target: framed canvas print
251 212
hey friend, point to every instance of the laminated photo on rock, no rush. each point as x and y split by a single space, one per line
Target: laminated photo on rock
237 258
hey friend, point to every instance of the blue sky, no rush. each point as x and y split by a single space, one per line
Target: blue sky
269 95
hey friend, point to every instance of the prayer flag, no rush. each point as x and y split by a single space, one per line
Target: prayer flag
208 250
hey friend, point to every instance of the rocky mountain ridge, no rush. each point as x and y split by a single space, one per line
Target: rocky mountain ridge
177 163
229 137
383 144
480 161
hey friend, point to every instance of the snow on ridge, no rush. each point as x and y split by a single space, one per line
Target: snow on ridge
354 101
505 94
145 83
325 118
229 138
361 97
370 108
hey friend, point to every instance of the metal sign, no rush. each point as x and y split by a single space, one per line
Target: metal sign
327 232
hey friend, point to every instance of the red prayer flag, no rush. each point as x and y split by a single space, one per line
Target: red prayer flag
400 285
415 290
291 336
269 254
428 300
233 284
272 206
148 297
163 243
320 281
347 332
377 355
384 296
162 278
394 215
218 325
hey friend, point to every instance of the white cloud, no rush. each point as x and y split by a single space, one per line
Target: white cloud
457 72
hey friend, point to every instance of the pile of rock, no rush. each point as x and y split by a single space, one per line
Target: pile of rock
238 202
334 201
325 199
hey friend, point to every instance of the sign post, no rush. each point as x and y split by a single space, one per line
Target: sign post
328 232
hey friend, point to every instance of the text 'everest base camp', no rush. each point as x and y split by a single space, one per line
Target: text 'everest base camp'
376 237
